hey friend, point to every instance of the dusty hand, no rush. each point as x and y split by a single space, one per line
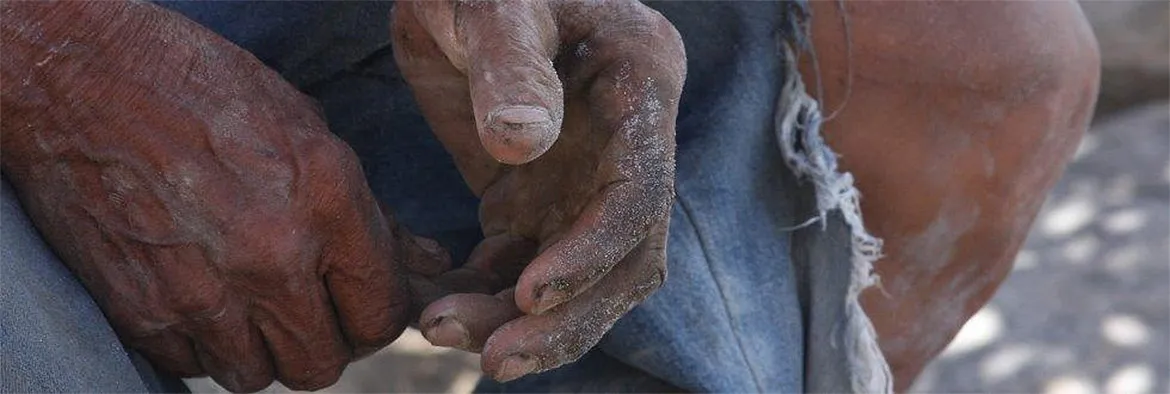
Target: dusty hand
561 117
201 200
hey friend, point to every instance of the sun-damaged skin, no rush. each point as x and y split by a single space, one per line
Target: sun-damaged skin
199 197
956 118
560 116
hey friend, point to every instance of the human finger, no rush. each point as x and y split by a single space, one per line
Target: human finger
231 350
535 343
465 321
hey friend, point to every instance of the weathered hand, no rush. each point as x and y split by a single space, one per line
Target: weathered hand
201 200
574 106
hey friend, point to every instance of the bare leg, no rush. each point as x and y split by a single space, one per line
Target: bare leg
957 119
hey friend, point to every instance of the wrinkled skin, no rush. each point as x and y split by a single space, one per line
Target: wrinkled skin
200 198
561 117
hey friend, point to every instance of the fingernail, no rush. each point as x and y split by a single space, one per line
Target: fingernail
516 366
430 246
519 133
520 115
550 295
447 332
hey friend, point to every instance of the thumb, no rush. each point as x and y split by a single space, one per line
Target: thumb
516 96
421 256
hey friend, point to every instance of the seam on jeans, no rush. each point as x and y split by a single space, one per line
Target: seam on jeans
722 295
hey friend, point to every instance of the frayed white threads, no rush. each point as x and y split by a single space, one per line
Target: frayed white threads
798 121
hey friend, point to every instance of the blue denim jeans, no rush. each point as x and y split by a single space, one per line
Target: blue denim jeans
752 302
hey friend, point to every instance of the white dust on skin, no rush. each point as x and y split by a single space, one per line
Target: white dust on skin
638 192
642 163
580 332
233 132
926 253
582 50
934 246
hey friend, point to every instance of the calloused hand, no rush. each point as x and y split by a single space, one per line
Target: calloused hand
560 116
199 197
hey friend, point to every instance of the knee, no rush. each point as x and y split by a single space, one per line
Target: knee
979 103
1038 53
995 52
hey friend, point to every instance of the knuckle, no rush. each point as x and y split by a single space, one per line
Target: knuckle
660 195
334 161
283 268
380 317
202 307
674 55
657 276
378 331
282 259
276 277
660 43
272 256
141 325
245 382
663 30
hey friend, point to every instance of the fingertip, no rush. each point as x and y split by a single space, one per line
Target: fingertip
518 134
549 296
465 321
380 330
538 291
432 248
515 366
447 331
526 294
545 304
425 256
